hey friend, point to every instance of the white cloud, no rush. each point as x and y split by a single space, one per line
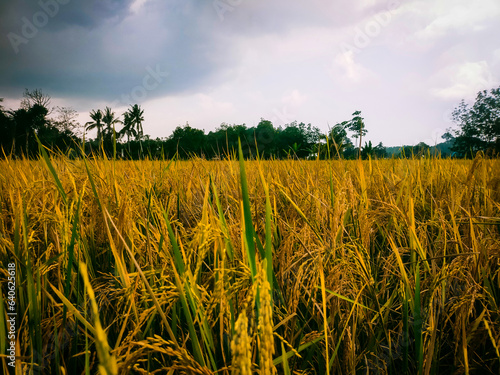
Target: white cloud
209 103
345 67
452 16
463 80
137 5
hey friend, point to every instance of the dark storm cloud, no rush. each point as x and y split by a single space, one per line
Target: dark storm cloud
101 49
42 40
61 13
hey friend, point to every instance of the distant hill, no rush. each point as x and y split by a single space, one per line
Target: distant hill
444 148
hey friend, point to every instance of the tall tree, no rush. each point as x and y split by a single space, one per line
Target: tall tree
357 126
110 120
136 115
66 120
479 125
264 138
27 123
96 123
32 116
35 97
128 128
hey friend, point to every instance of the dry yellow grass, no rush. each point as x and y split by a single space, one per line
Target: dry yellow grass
395 263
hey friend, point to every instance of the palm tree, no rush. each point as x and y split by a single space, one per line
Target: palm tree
96 123
136 115
110 120
357 125
128 128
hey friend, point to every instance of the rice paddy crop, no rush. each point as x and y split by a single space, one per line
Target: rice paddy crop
239 267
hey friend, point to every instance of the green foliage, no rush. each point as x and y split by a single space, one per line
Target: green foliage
338 142
297 140
19 128
479 125
186 141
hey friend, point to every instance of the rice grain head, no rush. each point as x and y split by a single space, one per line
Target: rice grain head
240 348
265 327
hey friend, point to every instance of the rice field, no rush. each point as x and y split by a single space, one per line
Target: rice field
239 267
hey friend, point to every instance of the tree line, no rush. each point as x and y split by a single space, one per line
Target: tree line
122 136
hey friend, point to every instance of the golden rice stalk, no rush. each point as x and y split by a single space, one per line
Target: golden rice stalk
265 326
240 347
107 361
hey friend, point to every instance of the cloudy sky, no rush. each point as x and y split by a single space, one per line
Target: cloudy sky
405 64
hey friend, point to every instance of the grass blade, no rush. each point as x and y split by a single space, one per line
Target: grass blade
249 230
52 170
